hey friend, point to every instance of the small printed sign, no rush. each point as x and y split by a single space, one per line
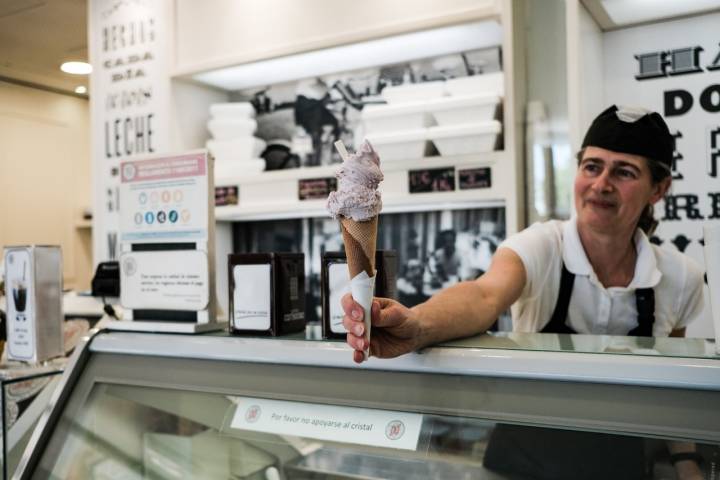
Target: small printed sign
20 312
251 296
167 280
164 199
316 188
225 196
359 426
471 178
432 180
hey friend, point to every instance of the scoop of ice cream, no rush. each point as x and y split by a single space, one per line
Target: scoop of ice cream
358 178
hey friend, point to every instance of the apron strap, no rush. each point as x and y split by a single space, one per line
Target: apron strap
644 300
557 321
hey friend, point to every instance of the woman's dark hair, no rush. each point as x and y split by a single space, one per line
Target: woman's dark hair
658 172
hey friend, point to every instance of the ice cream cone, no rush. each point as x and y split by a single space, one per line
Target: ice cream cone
360 239
357 203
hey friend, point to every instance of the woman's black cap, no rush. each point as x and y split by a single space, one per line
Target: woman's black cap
634 131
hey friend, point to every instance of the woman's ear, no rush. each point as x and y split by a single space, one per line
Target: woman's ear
660 189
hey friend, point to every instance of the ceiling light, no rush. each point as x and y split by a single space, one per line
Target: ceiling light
371 53
76 68
81 89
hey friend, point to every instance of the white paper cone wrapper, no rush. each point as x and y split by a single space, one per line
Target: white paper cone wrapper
711 235
362 288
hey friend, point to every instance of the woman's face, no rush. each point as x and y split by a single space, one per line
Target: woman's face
612 189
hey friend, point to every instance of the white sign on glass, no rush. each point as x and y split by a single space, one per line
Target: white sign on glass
360 426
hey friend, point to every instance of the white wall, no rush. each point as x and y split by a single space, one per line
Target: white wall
547 141
692 178
191 111
585 71
227 32
45 175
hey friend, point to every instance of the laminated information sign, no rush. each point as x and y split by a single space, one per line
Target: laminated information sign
167 280
164 199
360 426
167 244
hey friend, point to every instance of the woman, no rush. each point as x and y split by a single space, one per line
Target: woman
586 275
594 274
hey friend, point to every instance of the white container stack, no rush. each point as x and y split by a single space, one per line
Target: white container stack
457 115
466 138
465 117
234 146
398 130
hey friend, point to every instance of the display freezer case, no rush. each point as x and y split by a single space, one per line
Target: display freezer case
25 391
150 406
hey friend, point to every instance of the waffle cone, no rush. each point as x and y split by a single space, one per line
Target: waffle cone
360 239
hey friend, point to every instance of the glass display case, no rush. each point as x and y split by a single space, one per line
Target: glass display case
25 390
151 406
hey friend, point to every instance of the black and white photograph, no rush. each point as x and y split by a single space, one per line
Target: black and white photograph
435 249
431 180
300 121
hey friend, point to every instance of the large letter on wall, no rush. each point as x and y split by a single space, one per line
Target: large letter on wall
130 44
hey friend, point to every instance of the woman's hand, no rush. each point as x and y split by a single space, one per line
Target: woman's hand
395 328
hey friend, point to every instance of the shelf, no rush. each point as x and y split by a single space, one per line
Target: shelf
407 203
274 195
459 161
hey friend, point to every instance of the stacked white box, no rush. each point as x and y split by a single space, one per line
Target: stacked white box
457 115
465 117
465 139
463 109
398 130
235 148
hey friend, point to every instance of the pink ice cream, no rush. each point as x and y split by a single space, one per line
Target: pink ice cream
358 178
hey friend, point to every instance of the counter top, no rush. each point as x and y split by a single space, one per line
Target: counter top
691 364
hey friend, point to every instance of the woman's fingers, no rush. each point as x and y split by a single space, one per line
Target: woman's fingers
356 327
357 343
358 357
351 307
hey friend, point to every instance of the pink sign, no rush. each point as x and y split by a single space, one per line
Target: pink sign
164 168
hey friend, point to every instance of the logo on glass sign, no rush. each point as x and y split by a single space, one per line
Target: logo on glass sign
252 414
395 430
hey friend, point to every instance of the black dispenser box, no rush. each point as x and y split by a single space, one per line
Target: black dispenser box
267 293
334 278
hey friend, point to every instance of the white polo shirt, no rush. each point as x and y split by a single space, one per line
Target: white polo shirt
676 279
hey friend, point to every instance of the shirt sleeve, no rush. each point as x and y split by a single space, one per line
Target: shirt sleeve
538 248
692 298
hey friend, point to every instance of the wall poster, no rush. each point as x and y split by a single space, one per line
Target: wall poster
129 45
674 68
435 249
301 120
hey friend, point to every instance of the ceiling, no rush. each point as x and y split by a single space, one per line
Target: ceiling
615 14
36 36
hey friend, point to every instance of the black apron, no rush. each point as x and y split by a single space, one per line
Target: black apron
644 299
544 453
